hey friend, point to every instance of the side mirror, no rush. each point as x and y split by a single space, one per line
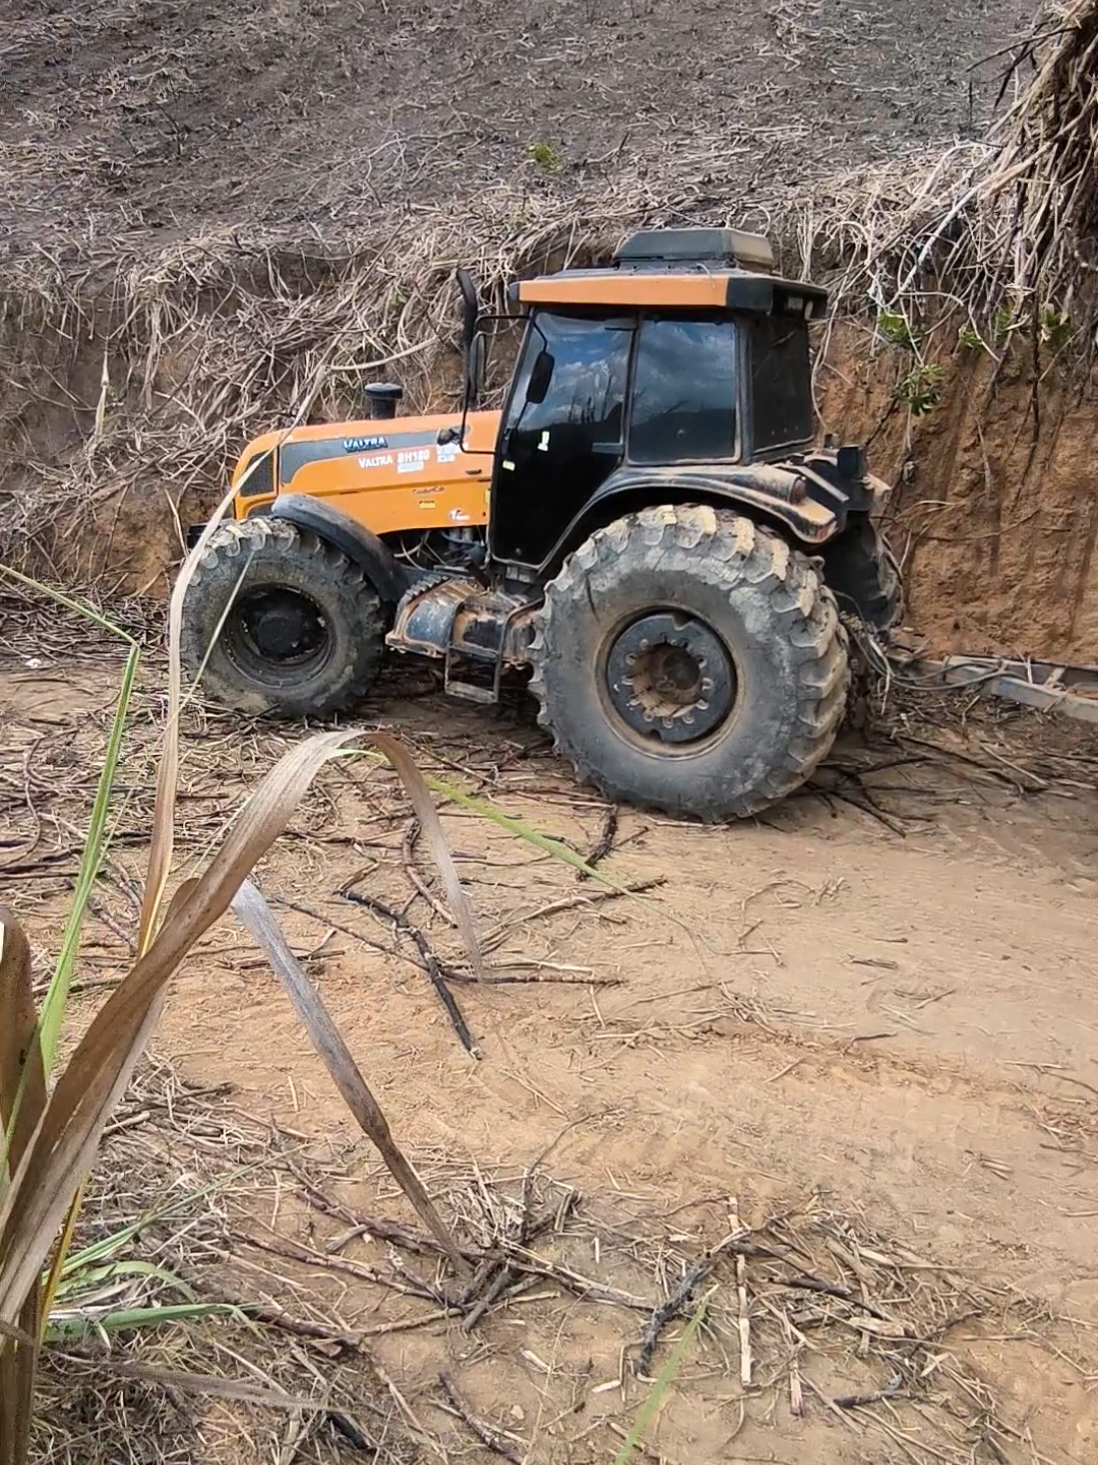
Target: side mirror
470 307
476 358
541 374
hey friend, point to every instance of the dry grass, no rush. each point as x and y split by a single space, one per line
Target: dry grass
205 1161
996 235
811 1310
229 334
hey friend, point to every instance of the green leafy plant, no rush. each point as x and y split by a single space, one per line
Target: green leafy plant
102 1291
545 156
897 330
969 339
1003 322
1054 327
920 391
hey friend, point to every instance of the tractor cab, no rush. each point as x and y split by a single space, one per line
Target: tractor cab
687 355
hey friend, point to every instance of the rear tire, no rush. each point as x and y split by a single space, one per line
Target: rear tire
865 577
304 634
691 587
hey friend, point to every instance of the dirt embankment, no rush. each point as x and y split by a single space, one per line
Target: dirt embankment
994 511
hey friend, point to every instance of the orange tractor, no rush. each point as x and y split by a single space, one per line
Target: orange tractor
645 527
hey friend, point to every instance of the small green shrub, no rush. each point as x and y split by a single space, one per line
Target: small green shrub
1054 327
897 330
545 156
921 389
1004 322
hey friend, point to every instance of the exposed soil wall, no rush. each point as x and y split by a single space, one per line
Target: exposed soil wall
127 396
995 508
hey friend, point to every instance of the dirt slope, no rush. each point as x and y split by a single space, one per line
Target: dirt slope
146 117
993 512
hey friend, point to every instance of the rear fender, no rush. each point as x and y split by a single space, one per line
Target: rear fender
361 546
787 497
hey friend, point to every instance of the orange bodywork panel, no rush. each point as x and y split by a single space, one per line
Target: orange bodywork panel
388 474
632 291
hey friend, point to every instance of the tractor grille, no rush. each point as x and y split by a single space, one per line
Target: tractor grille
261 480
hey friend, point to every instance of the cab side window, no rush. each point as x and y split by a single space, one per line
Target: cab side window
684 392
781 383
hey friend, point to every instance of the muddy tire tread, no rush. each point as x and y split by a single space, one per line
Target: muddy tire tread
217 570
866 577
726 548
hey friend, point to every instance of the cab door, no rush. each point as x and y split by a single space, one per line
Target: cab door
563 431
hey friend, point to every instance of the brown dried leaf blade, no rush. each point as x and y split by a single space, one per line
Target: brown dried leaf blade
22 1101
98 1071
257 916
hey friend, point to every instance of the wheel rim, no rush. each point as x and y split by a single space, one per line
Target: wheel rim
670 679
276 631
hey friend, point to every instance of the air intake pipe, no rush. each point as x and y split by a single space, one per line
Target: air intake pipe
382 399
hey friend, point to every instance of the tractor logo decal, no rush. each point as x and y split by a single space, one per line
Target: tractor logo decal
380 460
363 444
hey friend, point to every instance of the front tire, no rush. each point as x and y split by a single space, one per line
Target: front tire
277 621
687 659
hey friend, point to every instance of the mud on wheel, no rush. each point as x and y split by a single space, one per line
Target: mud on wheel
284 622
690 660
862 570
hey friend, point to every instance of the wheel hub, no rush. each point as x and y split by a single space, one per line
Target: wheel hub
283 626
670 677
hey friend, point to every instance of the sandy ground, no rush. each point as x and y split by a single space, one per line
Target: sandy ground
879 1035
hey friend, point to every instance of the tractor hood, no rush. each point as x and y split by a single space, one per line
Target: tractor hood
388 460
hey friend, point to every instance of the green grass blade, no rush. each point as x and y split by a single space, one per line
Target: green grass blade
68 1327
81 607
557 849
93 1278
666 1378
97 1252
56 1001
522 829
108 1247
53 1009
511 823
